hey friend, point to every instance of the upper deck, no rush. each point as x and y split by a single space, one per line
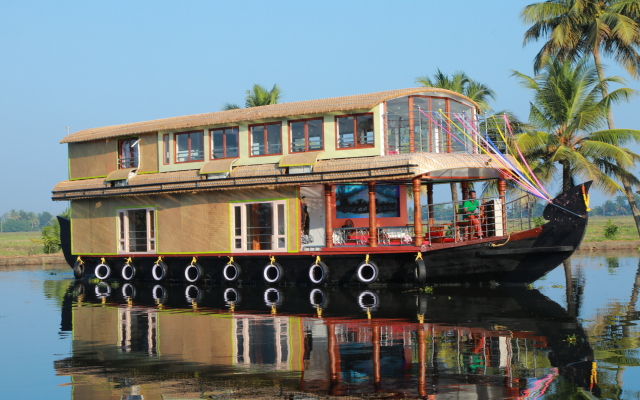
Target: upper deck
316 136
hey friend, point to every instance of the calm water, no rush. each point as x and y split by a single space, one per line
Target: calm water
67 340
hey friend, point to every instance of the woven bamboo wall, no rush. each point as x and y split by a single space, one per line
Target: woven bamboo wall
93 227
186 222
148 153
92 159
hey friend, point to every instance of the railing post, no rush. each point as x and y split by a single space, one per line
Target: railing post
328 215
430 202
373 231
417 212
502 190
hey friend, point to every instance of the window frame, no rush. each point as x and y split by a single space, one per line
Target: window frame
136 159
166 149
175 147
224 140
240 235
306 135
124 235
355 130
266 139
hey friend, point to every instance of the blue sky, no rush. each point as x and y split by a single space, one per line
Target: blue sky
89 64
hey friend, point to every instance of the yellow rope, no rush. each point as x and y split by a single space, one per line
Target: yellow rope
366 259
502 244
80 260
193 260
232 306
272 259
368 313
230 260
102 261
585 196
594 374
273 309
128 261
421 318
159 260
317 259
419 256
319 311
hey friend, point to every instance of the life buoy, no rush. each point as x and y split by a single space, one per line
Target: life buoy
129 272
193 272
128 291
160 271
420 272
102 271
231 272
318 272
160 294
318 298
193 294
273 297
272 272
367 272
232 296
78 269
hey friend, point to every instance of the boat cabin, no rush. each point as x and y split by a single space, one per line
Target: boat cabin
333 174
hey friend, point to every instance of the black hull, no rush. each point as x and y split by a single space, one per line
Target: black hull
520 258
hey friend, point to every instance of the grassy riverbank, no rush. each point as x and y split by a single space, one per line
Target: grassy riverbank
626 229
20 243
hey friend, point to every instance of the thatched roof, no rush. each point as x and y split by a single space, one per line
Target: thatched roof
282 110
394 168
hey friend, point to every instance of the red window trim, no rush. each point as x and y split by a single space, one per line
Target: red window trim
225 141
355 143
265 138
306 135
166 158
175 147
120 151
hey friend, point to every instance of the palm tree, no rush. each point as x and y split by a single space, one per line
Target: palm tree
258 96
568 108
575 28
461 83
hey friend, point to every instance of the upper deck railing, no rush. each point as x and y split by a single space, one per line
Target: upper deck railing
440 132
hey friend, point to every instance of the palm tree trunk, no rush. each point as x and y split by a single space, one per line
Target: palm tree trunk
566 175
628 191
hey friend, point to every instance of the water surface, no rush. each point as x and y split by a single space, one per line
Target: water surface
554 339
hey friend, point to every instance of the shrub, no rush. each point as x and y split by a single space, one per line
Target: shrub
610 230
538 221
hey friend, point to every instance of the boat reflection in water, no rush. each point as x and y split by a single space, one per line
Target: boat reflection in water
149 341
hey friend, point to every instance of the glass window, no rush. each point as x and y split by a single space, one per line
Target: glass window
128 153
190 146
306 135
136 230
266 139
355 131
260 226
224 142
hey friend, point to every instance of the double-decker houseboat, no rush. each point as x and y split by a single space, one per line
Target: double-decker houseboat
339 190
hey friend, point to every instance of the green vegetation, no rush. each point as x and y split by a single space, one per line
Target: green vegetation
258 96
610 230
20 243
51 234
23 221
461 83
626 228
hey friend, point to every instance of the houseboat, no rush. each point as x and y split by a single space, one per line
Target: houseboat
163 339
344 190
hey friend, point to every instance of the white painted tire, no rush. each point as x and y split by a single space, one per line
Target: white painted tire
318 298
368 300
160 271
367 272
129 272
193 293
231 272
103 290
318 273
232 296
272 273
160 294
273 297
193 273
102 271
